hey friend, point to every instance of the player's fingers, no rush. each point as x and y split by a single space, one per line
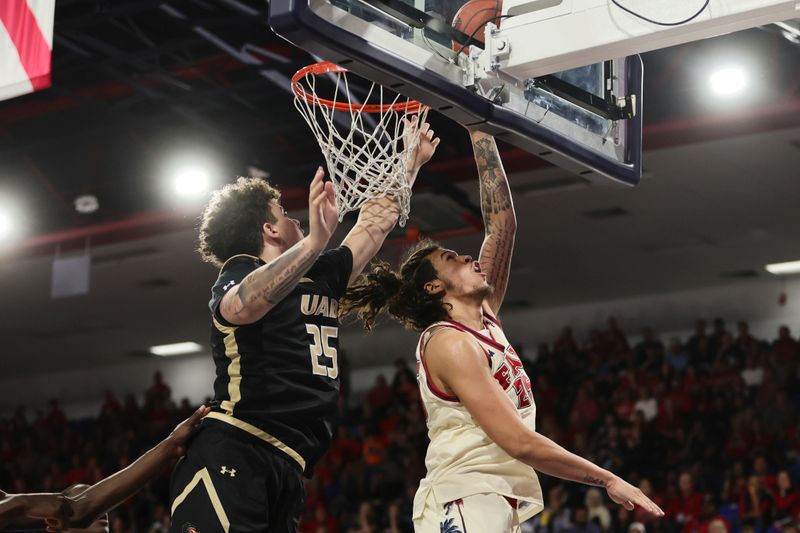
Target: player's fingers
628 505
316 188
318 175
436 142
650 506
197 415
330 193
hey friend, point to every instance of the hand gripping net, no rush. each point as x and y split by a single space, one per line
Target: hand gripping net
367 146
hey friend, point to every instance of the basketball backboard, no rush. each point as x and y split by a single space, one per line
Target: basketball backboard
587 120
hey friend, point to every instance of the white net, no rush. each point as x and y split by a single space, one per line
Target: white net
367 146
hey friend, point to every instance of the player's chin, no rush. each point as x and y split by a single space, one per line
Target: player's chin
483 291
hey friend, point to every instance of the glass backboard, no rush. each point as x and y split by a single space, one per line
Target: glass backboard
587 120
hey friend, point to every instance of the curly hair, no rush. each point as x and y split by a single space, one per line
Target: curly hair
231 222
401 293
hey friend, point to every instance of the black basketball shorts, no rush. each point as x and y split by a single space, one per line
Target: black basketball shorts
232 482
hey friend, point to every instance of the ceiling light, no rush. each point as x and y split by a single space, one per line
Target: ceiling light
86 203
790 267
10 224
6 227
192 182
177 348
728 81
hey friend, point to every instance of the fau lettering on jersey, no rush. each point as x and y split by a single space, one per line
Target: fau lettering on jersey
511 374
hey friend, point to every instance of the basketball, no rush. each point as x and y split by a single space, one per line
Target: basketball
473 16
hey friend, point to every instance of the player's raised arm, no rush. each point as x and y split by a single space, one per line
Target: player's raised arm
266 286
498 216
377 217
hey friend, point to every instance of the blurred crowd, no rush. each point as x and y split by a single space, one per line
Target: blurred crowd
706 426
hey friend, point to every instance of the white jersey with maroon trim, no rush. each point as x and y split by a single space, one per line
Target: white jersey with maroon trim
462 460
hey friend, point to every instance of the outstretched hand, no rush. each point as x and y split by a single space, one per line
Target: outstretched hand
180 435
323 217
625 494
425 148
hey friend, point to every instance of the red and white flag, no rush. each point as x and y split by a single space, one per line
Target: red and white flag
26 44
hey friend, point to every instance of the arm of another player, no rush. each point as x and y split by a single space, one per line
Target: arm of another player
81 510
265 287
457 362
14 508
377 217
498 216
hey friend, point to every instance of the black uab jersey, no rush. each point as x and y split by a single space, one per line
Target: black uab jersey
278 377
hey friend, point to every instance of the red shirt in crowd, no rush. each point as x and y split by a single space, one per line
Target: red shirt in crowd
685 508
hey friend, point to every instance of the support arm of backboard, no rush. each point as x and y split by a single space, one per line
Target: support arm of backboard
553 36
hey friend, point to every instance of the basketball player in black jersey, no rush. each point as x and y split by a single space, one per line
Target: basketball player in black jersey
274 338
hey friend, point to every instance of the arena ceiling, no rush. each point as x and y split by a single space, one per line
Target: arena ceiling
136 82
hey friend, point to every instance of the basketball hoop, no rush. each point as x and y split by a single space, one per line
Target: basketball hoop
366 145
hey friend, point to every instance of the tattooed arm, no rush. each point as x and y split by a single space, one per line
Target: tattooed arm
498 217
266 286
263 288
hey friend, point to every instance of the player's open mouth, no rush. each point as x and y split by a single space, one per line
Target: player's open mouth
476 266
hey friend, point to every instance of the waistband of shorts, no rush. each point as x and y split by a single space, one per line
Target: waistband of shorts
228 423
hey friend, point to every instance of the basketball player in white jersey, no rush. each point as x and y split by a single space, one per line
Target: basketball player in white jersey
484 451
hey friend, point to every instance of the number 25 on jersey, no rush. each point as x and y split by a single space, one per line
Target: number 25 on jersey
328 365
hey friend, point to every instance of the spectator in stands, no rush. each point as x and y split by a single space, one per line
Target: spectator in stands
755 504
785 347
55 419
581 523
718 525
677 357
565 343
744 340
698 344
753 373
787 498
158 391
637 527
686 507
554 518
646 404
598 512
380 394
717 332
615 337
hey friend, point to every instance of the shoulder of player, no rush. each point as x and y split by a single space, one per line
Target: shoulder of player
452 347
240 259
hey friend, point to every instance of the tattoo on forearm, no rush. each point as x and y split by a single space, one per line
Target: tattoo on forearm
496 254
589 480
498 215
495 194
271 283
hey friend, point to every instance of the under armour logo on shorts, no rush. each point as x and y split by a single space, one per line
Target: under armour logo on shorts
226 470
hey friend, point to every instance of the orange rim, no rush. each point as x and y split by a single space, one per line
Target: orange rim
325 67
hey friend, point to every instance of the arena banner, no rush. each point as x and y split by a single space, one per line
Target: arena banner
26 45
